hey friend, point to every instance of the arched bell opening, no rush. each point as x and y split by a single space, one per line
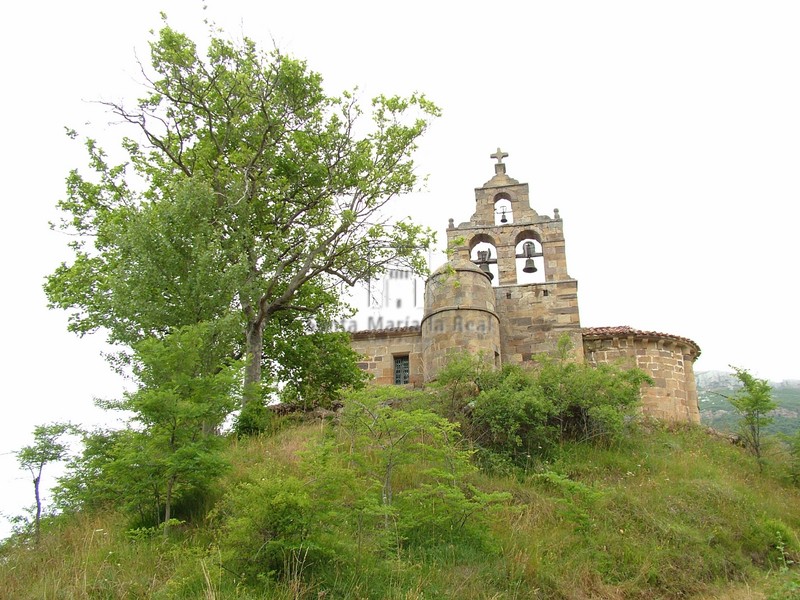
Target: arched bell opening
483 252
529 261
503 215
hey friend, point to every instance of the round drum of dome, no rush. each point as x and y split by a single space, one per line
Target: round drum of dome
459 316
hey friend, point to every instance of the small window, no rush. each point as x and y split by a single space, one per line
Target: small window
401 376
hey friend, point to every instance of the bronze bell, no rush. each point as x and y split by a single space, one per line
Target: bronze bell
530 267
485 269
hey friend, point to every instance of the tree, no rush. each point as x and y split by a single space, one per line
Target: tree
318 368
416 459
183 397
47 448
262 195
753 403
87 483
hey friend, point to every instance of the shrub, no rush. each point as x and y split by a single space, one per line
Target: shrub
416 459
526 413
268 529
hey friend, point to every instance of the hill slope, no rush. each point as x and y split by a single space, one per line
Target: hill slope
668 514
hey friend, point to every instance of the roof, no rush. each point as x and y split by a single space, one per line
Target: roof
626 331
457 264
592 333
391 331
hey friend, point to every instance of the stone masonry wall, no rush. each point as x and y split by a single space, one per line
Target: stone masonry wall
460 316
535 316
379 347
669 360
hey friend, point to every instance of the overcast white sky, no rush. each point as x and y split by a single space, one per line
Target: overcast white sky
667 133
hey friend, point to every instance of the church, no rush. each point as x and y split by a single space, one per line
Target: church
505 294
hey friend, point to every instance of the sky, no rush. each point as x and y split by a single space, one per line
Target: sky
666 133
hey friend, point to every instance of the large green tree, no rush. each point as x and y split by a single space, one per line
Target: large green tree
248 190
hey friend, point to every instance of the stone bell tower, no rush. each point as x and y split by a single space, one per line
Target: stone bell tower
505 295
523 252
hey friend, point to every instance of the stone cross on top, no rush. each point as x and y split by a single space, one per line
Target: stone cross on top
499 155
499 167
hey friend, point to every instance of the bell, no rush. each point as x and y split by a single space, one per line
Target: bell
503 217
485 269
528 249
530 267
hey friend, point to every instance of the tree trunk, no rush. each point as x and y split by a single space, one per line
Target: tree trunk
37 528
252 372
168 504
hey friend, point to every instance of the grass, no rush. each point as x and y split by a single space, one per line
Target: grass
671 513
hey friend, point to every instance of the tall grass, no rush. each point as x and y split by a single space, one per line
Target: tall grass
669 513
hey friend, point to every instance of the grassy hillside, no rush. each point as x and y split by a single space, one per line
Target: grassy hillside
665 514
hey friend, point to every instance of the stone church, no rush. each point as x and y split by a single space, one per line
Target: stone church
506 294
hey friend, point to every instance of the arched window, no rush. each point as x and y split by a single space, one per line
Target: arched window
503 214
484 254
529 259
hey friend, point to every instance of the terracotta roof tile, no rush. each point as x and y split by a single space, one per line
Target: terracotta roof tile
588 332
626 331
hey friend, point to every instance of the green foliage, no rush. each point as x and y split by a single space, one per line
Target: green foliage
48 447
254 418
578 499
462 379
92 482
319 368
771 542
268 527
512 417
347 503
716 411
391 478
754 404
793 444
387 436
447 512
672 514
591 403
258 201
183 398
525 414
172 450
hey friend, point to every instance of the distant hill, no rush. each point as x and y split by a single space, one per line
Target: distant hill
713 388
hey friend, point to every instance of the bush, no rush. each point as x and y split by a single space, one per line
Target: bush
416 459
254 418
770 542
443 513
514 418
269 530
524 414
